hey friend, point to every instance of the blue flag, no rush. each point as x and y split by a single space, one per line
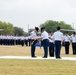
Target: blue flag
38 44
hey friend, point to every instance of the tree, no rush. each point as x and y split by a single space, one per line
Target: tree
25 33
7 28
52 25
18 31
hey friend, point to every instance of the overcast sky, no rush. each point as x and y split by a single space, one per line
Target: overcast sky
35 12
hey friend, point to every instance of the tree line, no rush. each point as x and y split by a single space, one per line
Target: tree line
8 28
52 25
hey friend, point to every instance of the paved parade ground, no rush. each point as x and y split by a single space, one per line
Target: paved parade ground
28 57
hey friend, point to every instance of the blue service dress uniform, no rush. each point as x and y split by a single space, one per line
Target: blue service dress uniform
58 36
73 39
66 43
51 46
45 43
33 38
22 40
26 40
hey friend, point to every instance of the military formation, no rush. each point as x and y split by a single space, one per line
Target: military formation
14 40
51 42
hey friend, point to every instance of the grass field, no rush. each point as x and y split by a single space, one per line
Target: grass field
34 67
25 51
37 67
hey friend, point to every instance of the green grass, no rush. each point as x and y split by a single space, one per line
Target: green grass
25 51
34 67
37 67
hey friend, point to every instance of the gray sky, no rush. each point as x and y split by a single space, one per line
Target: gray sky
35 12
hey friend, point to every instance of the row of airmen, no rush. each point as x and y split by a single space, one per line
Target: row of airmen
14 40
66 43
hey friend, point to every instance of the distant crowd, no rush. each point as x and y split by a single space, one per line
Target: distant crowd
15 40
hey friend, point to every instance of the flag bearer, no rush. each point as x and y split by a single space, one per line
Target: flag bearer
34 40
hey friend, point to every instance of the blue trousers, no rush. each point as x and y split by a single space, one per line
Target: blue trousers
51 49
33 48
74 48
67 47
45 44
57 48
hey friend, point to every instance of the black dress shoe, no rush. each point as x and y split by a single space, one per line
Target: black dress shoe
34 56
74 53
44 57
51 56
58 57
